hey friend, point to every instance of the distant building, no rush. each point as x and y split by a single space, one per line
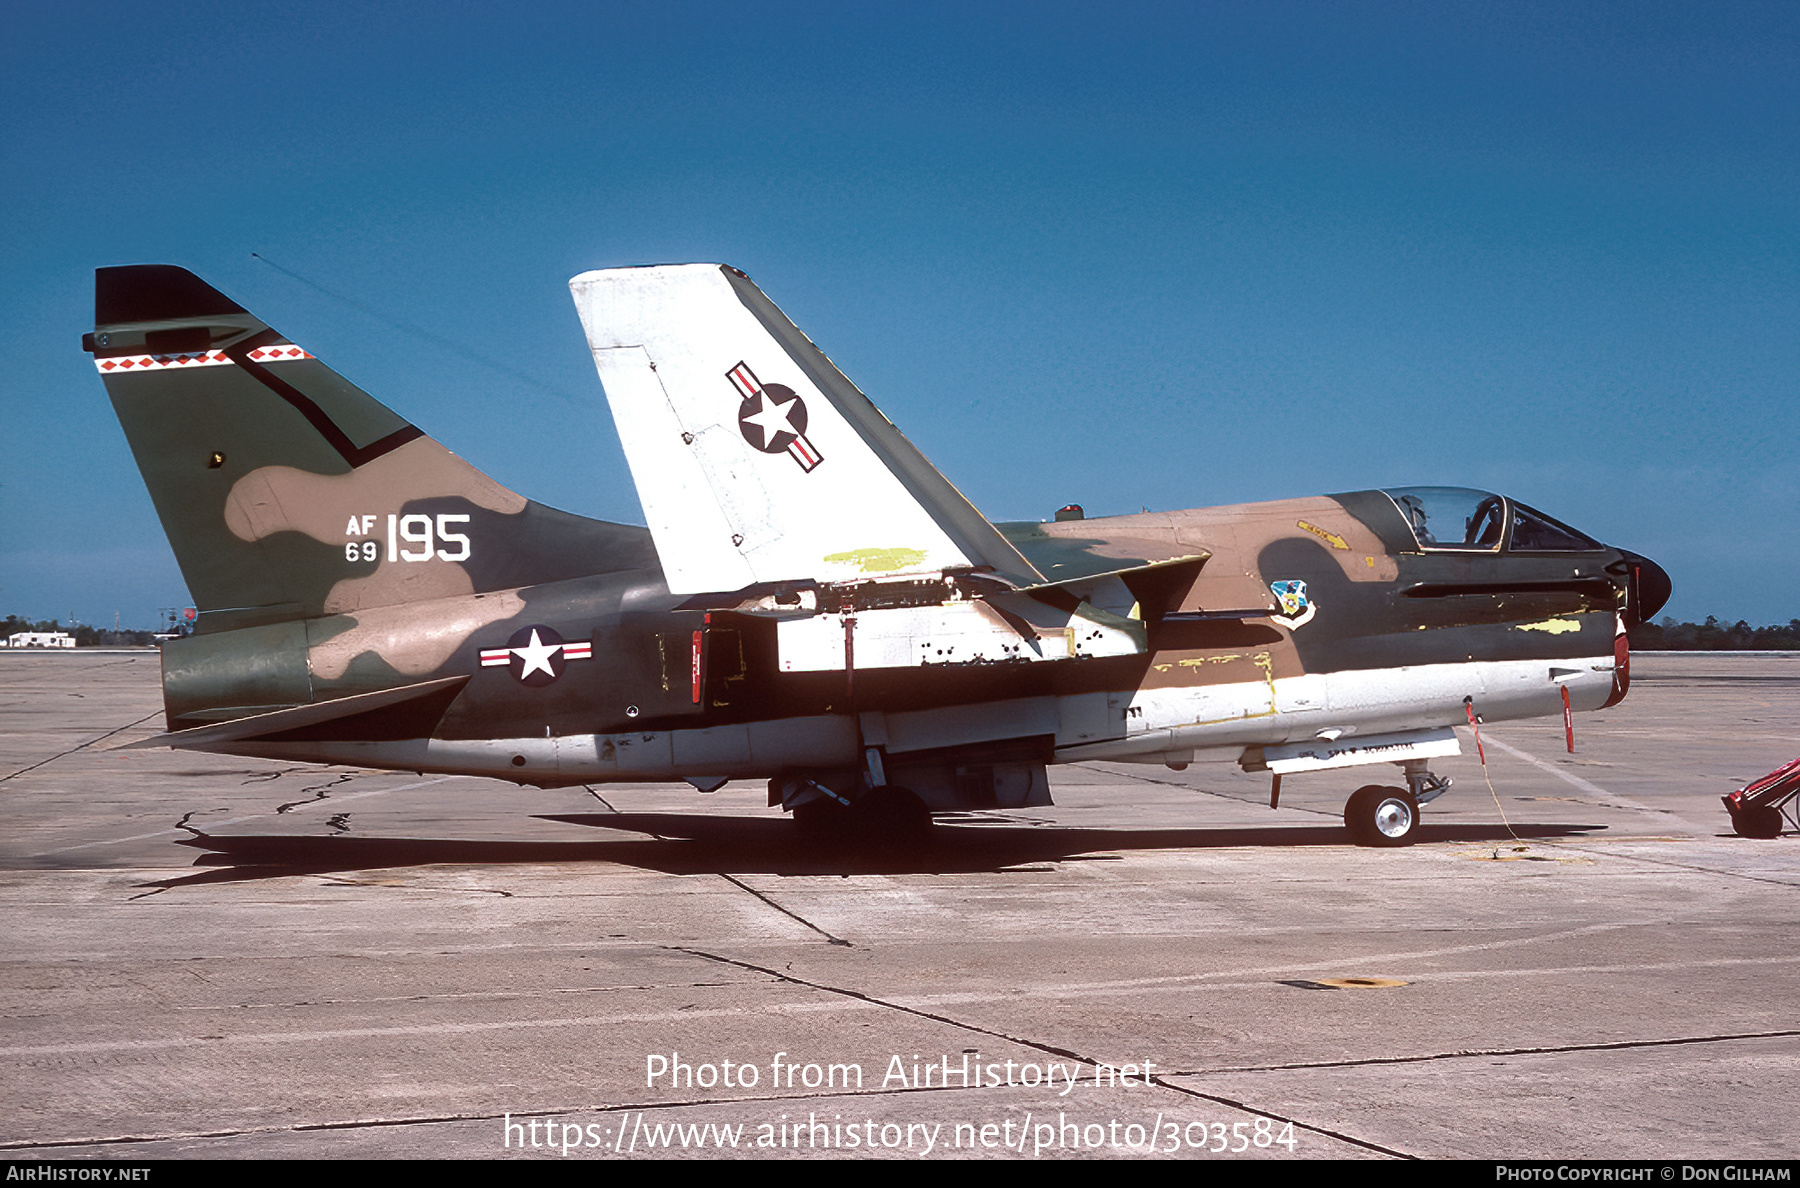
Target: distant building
40 639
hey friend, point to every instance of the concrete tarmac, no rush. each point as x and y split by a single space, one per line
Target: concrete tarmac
211 956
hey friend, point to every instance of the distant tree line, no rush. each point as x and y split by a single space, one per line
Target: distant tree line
1713 636
85 636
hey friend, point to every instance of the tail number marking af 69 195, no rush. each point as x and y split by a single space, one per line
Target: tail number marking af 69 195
433 538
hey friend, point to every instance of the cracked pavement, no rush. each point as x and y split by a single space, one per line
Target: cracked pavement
211 956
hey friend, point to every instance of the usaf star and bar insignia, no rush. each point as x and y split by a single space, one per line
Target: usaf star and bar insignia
537 655
772 418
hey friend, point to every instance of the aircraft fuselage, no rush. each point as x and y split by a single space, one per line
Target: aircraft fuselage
611 678
811 602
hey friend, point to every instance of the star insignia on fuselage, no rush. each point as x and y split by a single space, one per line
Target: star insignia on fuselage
536 654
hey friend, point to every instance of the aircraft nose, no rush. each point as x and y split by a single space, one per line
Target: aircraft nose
1650 586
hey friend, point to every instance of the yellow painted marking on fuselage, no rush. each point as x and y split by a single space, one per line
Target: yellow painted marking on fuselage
1553 626
1262 660
1197 661
1330 538
1267 663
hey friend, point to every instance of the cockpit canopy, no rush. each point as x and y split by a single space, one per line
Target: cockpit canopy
1466 520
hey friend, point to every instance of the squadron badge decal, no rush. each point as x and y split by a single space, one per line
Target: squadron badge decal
1294 602
1292 596
772 418
536 654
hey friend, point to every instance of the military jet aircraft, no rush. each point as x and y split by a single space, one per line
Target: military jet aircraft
812 603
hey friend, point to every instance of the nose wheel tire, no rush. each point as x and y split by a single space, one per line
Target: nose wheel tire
1378 816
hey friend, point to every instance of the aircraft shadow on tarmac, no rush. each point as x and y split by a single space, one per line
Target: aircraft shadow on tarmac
674 843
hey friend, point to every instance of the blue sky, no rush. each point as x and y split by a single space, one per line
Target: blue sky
1126 255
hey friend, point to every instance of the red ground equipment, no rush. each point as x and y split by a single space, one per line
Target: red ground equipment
1756 807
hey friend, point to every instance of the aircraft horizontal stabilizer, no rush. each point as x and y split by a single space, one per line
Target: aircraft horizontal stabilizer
409 711
756 460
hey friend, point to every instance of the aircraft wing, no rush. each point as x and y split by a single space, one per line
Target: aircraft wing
756 460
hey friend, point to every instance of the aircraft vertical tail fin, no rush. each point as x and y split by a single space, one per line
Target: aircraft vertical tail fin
756 460
288 492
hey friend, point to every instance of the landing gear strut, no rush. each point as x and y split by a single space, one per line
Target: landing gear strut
1424 786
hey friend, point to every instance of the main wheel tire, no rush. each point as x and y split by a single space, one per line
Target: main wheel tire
822 820
1378 816
1758 821
892 817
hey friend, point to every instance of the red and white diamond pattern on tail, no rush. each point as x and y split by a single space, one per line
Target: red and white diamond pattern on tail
280 352
777 412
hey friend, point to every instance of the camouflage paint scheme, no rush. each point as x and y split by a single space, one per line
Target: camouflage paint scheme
365 596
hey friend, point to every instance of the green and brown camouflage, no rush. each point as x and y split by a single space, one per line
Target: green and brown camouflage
326 542
812 604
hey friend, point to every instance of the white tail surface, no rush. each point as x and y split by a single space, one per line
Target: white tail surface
756 460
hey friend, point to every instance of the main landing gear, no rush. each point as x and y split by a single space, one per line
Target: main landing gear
1383 816
883 817
874 814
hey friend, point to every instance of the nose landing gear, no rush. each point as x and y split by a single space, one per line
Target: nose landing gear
1382 816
